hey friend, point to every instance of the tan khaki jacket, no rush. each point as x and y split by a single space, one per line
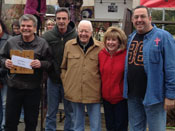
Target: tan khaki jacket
80 73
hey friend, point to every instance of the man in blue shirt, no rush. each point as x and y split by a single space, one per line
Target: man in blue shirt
149 81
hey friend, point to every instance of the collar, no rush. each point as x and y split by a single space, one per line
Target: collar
106 51
22 43
95 42
132 35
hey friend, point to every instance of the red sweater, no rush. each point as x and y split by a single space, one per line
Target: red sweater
112 75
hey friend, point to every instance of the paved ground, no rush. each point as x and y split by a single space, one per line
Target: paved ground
60 124
60 127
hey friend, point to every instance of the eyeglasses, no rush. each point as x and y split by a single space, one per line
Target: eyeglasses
141 16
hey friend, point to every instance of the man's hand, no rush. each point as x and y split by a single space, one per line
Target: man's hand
169 104
8 64
35 64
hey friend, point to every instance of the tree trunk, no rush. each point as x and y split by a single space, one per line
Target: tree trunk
0 7
74 7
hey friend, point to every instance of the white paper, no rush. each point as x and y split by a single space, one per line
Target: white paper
21 61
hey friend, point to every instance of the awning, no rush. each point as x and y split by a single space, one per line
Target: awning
158 3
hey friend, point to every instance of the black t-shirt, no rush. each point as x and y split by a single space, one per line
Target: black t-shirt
137 79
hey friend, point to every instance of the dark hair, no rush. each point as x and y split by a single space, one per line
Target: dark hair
27 17
63 9
4 28
141 6
16 23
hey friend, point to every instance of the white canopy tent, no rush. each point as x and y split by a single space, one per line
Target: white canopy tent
54 2
49 2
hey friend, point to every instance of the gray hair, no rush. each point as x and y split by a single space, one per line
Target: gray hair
28 17
86 22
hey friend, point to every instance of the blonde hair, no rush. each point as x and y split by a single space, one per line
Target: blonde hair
50 21
115 32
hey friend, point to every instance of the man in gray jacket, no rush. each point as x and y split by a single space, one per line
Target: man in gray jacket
63 31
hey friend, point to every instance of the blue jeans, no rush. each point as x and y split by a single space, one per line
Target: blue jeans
1 111
54 93
140 116
94 114
3 97
22 113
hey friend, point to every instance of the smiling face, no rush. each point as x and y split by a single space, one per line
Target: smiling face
141 20
84 33
112 44
27 30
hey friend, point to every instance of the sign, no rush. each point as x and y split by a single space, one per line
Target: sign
112 8
25 54
158 3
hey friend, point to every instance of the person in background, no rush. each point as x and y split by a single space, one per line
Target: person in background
111 61
81 77
101 34
63 31
50 23
15 28
149 80
38 9
24 90
16 31
4 36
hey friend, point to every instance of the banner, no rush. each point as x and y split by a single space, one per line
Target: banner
158 3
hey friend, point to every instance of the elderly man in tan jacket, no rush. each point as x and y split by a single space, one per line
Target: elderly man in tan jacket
81 78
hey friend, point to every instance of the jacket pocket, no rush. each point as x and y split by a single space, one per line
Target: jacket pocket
15 82
93 58
73 60
93 63
154 55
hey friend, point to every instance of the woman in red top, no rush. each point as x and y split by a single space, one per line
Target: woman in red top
112 59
